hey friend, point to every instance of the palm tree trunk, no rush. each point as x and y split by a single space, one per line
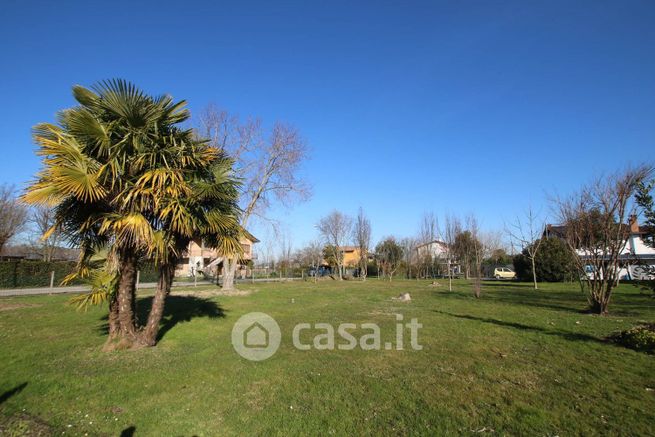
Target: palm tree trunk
126 299
112 320
148 336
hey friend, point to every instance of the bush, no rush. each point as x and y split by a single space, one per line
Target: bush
553 262
639 338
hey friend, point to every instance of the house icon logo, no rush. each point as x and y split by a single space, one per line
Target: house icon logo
256 336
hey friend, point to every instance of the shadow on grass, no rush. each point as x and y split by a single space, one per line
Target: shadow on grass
522 294
9 393
128 432
572 336
519 294
178 309
624 304
573 302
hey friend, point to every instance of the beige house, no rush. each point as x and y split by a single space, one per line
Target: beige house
199 259
350 256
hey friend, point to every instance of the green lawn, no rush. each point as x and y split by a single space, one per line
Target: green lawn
516 361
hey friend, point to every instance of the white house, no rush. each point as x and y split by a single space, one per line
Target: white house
435 249
438 251
637 258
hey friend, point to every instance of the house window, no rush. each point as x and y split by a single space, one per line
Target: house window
245 248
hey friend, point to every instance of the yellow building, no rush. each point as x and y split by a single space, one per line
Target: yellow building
351 255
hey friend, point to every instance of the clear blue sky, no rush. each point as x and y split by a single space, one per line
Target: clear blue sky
408 106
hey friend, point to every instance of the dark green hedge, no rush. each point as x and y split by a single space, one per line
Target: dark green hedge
148 272
23 274
26 274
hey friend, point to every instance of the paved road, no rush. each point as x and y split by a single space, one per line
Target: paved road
72 289
84 288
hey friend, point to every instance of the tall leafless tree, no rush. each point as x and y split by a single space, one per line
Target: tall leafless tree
428 233
286 251
362 239
429 228
268 164
335 229
477 251
410 255
13 215
526 233
452 227
596 230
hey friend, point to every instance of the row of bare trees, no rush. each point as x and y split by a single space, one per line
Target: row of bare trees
460 243
337 230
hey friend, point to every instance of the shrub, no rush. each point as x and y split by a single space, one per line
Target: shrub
553 262
639 338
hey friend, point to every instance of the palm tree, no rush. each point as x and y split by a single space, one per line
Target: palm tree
208 212
123 175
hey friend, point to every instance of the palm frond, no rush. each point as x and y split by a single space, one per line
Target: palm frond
103 285
84 96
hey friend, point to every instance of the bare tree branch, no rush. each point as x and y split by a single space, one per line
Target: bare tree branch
526 233
335 230
13 215
267 164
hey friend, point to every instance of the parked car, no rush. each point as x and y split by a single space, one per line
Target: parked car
504 273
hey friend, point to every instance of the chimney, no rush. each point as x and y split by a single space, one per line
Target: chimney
634 224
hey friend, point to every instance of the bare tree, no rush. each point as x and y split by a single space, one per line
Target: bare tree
493 243
596 231
286 251
429 228
477 251
452 228
362 239
410 254
335 230
42 219
313 254
428 232
526 233
13 215
268 165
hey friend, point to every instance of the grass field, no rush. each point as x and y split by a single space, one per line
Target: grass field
515 362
